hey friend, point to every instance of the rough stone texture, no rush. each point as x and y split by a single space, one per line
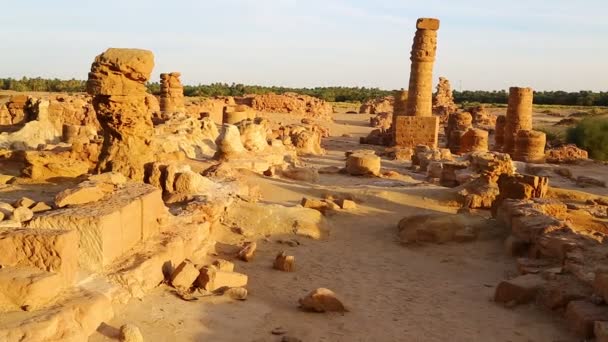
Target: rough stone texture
184 275
412 131
171 94
519 116
47 250
234 114
322 300
292 103
600 330
117 82
474 140
85 192
499 132
73 319
399 107
519 290
481 117
361 164
248 251
253 135
457 125
443 101
284 262
212 279
568 154
130 333
28 287
22 214
530 146
382 121
111 226
438 228
379 105
581 317
229 142
43 165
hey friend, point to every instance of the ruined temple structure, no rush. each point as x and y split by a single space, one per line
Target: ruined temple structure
399 106
419 126
443 101
519 116
117 83
171 94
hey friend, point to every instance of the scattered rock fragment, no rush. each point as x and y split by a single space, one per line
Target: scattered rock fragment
246 253
6 208
212 279
184 275
40 207
86 192
363 164
130 333
237 293
284 262
223 265
24 202
22 214
322 300
519 290
346 204
581 316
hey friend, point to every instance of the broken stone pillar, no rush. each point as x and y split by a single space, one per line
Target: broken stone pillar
519 116
474 140
443 102
171 94
499 132
419 126
117 82
530 146
458 124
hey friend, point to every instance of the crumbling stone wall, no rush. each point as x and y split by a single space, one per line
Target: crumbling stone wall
443 102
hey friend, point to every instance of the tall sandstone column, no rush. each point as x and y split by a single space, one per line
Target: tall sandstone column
420 95
171 93
419 126
117 84
519 116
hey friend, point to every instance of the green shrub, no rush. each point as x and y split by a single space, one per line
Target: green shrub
591 134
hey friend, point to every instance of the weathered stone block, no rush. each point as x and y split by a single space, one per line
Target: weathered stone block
519 290
427 24
111 226
415 130
581 317
51 251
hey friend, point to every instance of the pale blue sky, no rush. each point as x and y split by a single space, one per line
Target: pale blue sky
483 44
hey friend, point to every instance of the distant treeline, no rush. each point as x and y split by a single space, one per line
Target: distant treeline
333 94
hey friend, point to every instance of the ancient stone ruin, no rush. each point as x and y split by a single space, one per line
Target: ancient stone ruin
419 126
171 94
128 217
117 84
443 101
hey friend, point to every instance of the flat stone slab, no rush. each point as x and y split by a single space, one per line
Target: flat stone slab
109 227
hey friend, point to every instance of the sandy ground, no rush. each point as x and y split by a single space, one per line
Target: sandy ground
393 292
